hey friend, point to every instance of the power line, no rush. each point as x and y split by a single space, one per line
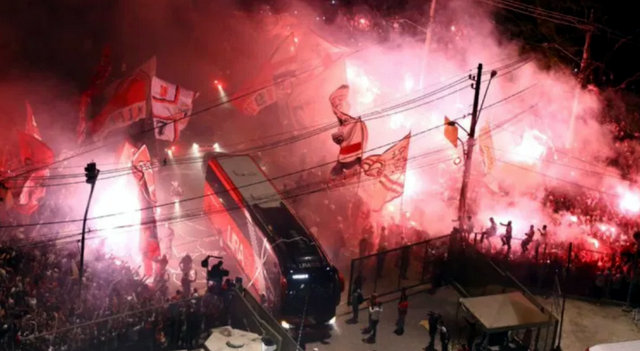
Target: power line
556 17
199 213
558 179
236 188
377 114
321 129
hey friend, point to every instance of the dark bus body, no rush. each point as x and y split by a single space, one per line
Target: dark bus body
284 266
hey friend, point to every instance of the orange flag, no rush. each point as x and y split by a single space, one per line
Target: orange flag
451 131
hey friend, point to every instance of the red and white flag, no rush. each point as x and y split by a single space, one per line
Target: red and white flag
143 172
171 106
31 127
126 104
352 134
385 174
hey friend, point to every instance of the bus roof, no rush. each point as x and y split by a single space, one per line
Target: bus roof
286 235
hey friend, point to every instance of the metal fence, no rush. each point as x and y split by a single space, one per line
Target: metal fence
409 266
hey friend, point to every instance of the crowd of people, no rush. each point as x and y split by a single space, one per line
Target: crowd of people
42 307
596 274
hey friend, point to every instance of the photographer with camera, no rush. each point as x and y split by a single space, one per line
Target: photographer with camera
217 273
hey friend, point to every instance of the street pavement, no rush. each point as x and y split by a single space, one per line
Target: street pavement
345 336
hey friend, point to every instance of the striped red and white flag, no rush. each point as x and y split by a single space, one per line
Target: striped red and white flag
352 134
385 174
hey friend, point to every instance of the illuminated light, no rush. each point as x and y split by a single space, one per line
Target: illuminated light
364 88
532 148
195 146
573 219
220 86
285 325
595 242
300 276
120 197
457 161
411 183
170 153
629 201
173 148
296 40
453 28
216 147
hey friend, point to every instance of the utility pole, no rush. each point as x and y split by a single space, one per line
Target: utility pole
91 173
582 78
462 205
427 40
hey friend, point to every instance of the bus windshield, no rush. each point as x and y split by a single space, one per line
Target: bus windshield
286 232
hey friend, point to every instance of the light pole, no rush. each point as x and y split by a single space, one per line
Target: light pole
427 39
91 173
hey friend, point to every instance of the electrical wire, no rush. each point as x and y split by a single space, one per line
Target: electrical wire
382 113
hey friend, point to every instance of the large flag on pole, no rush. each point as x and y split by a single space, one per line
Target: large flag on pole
171 106
126 103
148 241
352 133
485 143
32 126
33 151
385 174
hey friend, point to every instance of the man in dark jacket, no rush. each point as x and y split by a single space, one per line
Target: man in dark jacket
355 300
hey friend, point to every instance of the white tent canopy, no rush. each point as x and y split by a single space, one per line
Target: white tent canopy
505 311
228 339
